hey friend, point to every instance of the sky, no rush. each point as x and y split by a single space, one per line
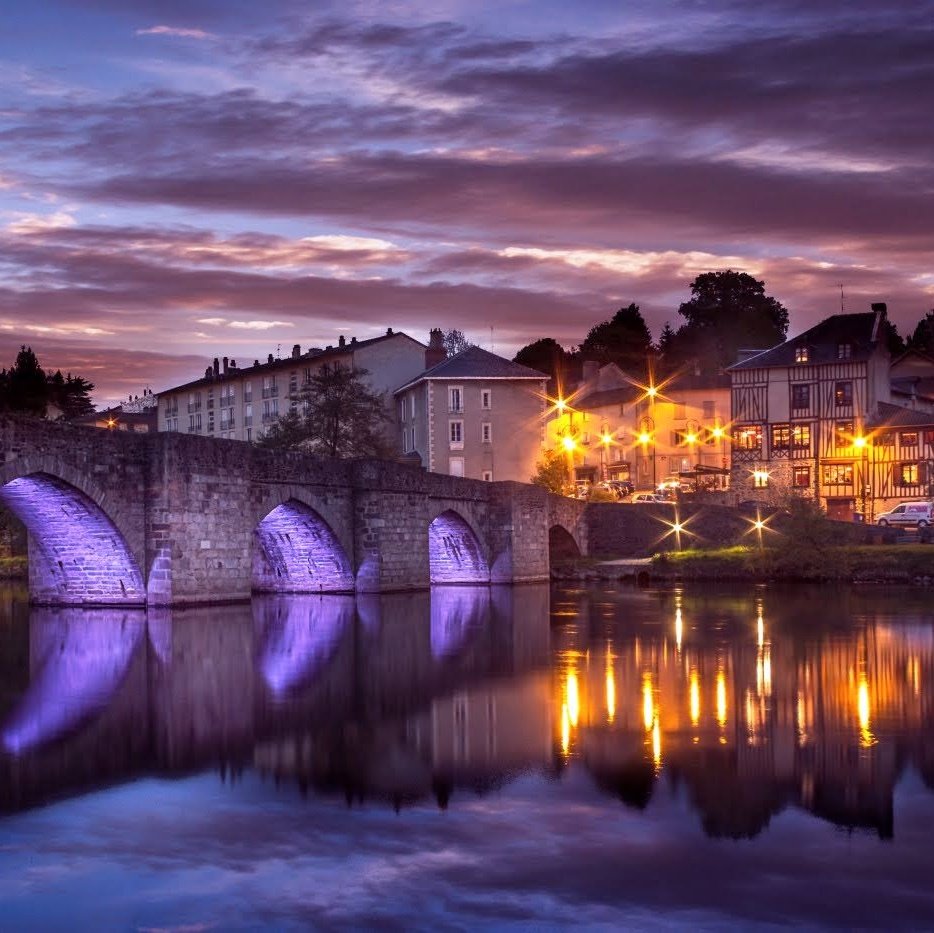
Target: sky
185 179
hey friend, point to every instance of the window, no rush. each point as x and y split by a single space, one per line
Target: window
210 404
748 437
456 466
455 398
487 476
801 477
906 474
681 410
486 399
247 391
801 397
402 409
486 432
249 434
270 389
844 351
211 421
227 419
908 439
270 410
801 354
411 404
781 436
887 439
709 410
843 394
760 479
194 402
456 433
843 434
838 474
801 436
247 415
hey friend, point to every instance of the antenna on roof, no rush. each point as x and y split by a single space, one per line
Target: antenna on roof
491 339
278 351
842 299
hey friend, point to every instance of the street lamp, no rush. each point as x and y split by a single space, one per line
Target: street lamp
605 440
646 429
861 443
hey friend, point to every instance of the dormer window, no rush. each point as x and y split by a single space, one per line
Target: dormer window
801 354
844 351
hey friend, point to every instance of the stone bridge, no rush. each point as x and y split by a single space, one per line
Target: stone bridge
170 519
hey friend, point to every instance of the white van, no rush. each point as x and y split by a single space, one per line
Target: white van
908 513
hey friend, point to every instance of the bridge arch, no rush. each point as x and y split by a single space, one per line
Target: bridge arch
78 554
562 545
295 550
455 551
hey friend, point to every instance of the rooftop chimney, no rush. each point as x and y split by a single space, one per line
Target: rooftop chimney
388 331
340 341
269 359
296 351
435 353
208 373
879 306
353 340
217 366
256 362
226 365
233 364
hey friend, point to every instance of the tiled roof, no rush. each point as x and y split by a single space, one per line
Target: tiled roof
289 362
624 395
822 341
476 363
894 416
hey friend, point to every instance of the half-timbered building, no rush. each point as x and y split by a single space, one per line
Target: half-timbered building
827 414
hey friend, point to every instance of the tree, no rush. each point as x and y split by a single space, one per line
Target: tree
728 311
624 340
25 385
71 394
338 415
553 473
455 342
547 356
922 338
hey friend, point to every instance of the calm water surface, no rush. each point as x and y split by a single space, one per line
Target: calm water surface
471 757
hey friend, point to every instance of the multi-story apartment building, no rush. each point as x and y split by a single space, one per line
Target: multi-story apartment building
474 414
614 427
818 415
239 403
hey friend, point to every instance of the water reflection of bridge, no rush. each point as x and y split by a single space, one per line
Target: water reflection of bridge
406 696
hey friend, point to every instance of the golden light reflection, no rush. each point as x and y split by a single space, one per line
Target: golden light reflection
648 702
721 698
801 715
694 694
679 628
914 674
573 698
656 743
866 738
565 729
610 691
760 630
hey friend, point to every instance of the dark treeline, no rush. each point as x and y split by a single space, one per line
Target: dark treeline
727 312
27 388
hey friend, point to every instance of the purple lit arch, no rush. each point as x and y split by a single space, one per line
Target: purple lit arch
454 551
76 553
295 551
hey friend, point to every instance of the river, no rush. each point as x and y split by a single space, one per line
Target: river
526 757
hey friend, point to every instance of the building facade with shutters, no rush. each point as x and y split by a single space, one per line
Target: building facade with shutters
474 414
827 414
240 403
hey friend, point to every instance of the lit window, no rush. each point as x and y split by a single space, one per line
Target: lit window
781 436
801 436
760 479
906 474
748 437
838 474
843 394
487 476
801 477
908 438
843 434
801 354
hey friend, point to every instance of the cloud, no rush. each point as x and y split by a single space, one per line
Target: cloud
177 31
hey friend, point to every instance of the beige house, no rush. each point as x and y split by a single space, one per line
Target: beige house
614 427
239 403
829 415
474 414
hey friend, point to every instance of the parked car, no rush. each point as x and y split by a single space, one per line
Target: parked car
918 514
644 497
620 488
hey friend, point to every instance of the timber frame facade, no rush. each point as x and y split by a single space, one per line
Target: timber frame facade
815 416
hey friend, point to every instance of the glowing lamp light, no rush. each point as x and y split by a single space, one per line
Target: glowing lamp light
569 444
560 405
651 391
717 433
677 527
691 438
758 524
606 439
644 438
111 423
860 442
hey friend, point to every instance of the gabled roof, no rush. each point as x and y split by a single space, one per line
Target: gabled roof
476 363
860 331
894 416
